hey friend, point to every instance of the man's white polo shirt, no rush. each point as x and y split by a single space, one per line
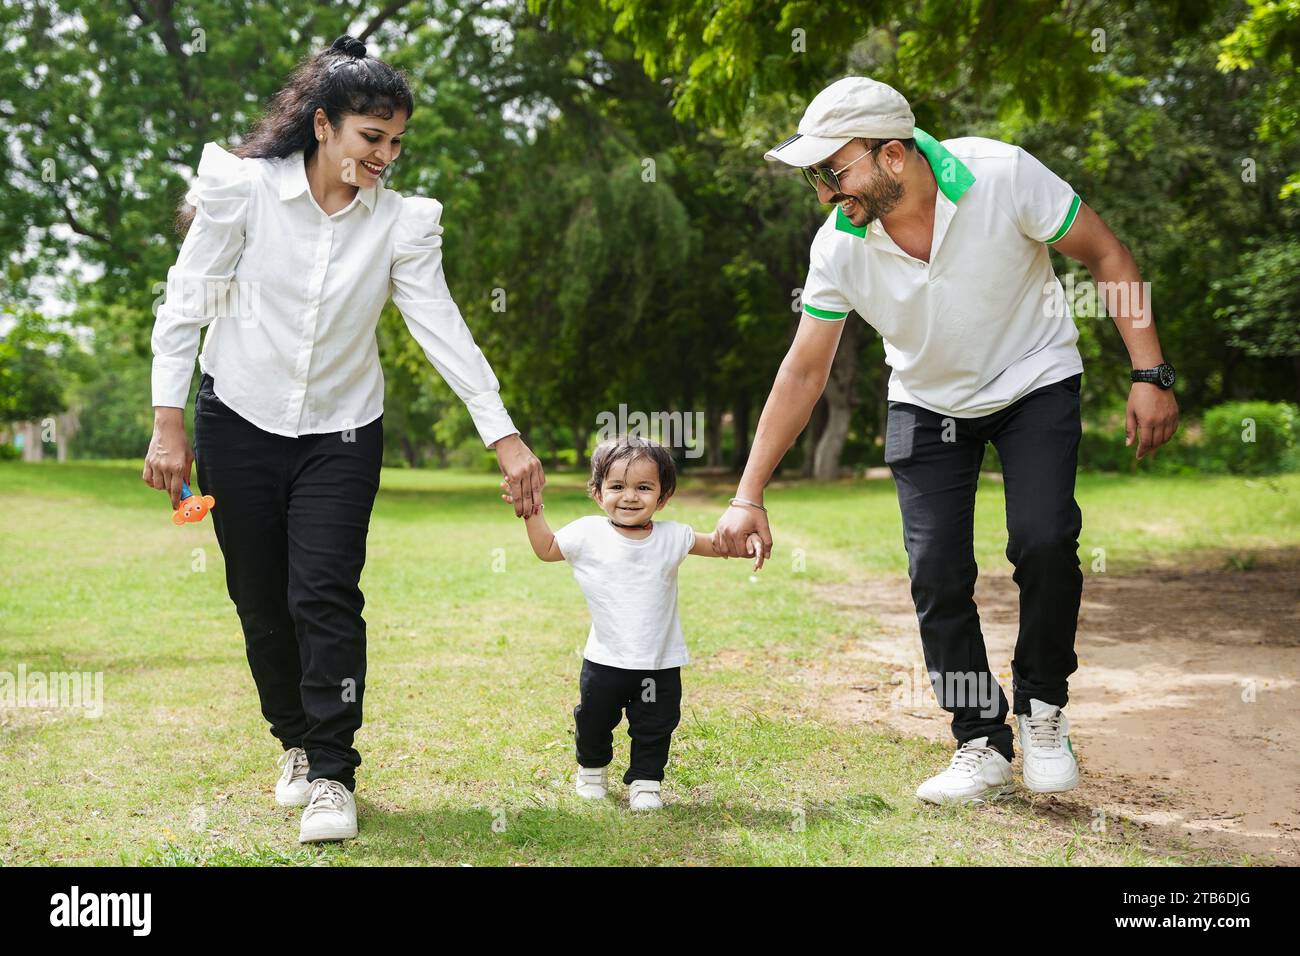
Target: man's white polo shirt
985 320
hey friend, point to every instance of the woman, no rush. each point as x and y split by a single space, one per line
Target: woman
292 249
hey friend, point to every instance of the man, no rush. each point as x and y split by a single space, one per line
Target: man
942 248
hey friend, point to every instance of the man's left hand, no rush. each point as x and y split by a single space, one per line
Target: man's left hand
1151 418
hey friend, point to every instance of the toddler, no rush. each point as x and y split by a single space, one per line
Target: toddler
626 564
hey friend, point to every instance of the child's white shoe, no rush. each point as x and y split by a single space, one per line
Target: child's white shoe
644 795
593 782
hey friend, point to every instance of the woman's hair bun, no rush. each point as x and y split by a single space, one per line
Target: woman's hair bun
350 45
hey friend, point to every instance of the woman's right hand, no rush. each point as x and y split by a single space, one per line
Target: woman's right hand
170 457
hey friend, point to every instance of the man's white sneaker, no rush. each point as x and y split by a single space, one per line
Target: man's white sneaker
1050 765
292 788
977 772
331 813
644 795
593 782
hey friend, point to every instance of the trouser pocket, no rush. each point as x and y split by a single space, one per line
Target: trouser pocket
900 433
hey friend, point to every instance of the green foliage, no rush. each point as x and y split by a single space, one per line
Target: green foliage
112 402
718 56
1102 448
1270 36
600 166
1251 438
32 385
1263 310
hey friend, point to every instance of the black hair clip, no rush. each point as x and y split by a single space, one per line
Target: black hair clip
353 50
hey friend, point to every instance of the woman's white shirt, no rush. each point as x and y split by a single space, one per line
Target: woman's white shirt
293 296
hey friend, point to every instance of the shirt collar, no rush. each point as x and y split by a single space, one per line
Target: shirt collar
293 181
951 175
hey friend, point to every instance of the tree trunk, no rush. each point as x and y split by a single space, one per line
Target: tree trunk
840 398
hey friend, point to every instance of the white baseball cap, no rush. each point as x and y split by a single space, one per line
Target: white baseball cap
847 109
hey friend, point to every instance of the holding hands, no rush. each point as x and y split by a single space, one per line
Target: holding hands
523 475
743 532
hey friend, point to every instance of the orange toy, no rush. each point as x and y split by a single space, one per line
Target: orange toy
193 507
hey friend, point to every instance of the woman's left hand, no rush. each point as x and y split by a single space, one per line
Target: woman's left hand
523 473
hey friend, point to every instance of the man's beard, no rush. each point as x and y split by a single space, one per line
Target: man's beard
881 198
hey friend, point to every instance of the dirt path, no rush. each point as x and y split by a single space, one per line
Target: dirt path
1185 709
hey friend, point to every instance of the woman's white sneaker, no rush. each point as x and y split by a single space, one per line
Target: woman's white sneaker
977 772
644 795
1050 764
292 788
331 813
592 782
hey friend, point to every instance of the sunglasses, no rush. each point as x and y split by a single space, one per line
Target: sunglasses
831 177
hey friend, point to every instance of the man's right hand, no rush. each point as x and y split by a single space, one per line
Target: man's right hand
732 532
170 457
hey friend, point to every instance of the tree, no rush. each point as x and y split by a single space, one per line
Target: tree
33 376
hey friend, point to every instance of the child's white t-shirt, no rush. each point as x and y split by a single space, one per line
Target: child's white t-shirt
631 588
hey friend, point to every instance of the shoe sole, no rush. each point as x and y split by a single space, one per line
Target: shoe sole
281 801
988 796
1053 788
328 836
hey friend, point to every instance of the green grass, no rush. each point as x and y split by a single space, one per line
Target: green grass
474 651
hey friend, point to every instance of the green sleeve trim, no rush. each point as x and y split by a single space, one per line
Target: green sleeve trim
1069 221
824 314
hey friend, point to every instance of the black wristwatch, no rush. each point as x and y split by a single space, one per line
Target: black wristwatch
1162 375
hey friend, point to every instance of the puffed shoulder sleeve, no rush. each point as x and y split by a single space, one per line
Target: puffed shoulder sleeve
419 289
198 283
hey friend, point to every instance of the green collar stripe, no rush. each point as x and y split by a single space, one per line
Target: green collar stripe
844 224
824 314
1069 220
952 176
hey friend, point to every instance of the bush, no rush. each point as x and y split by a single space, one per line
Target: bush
1103 449
1250 438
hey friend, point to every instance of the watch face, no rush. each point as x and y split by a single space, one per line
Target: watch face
1167 376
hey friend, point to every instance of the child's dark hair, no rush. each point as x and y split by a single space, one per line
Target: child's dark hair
630 448
342 79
